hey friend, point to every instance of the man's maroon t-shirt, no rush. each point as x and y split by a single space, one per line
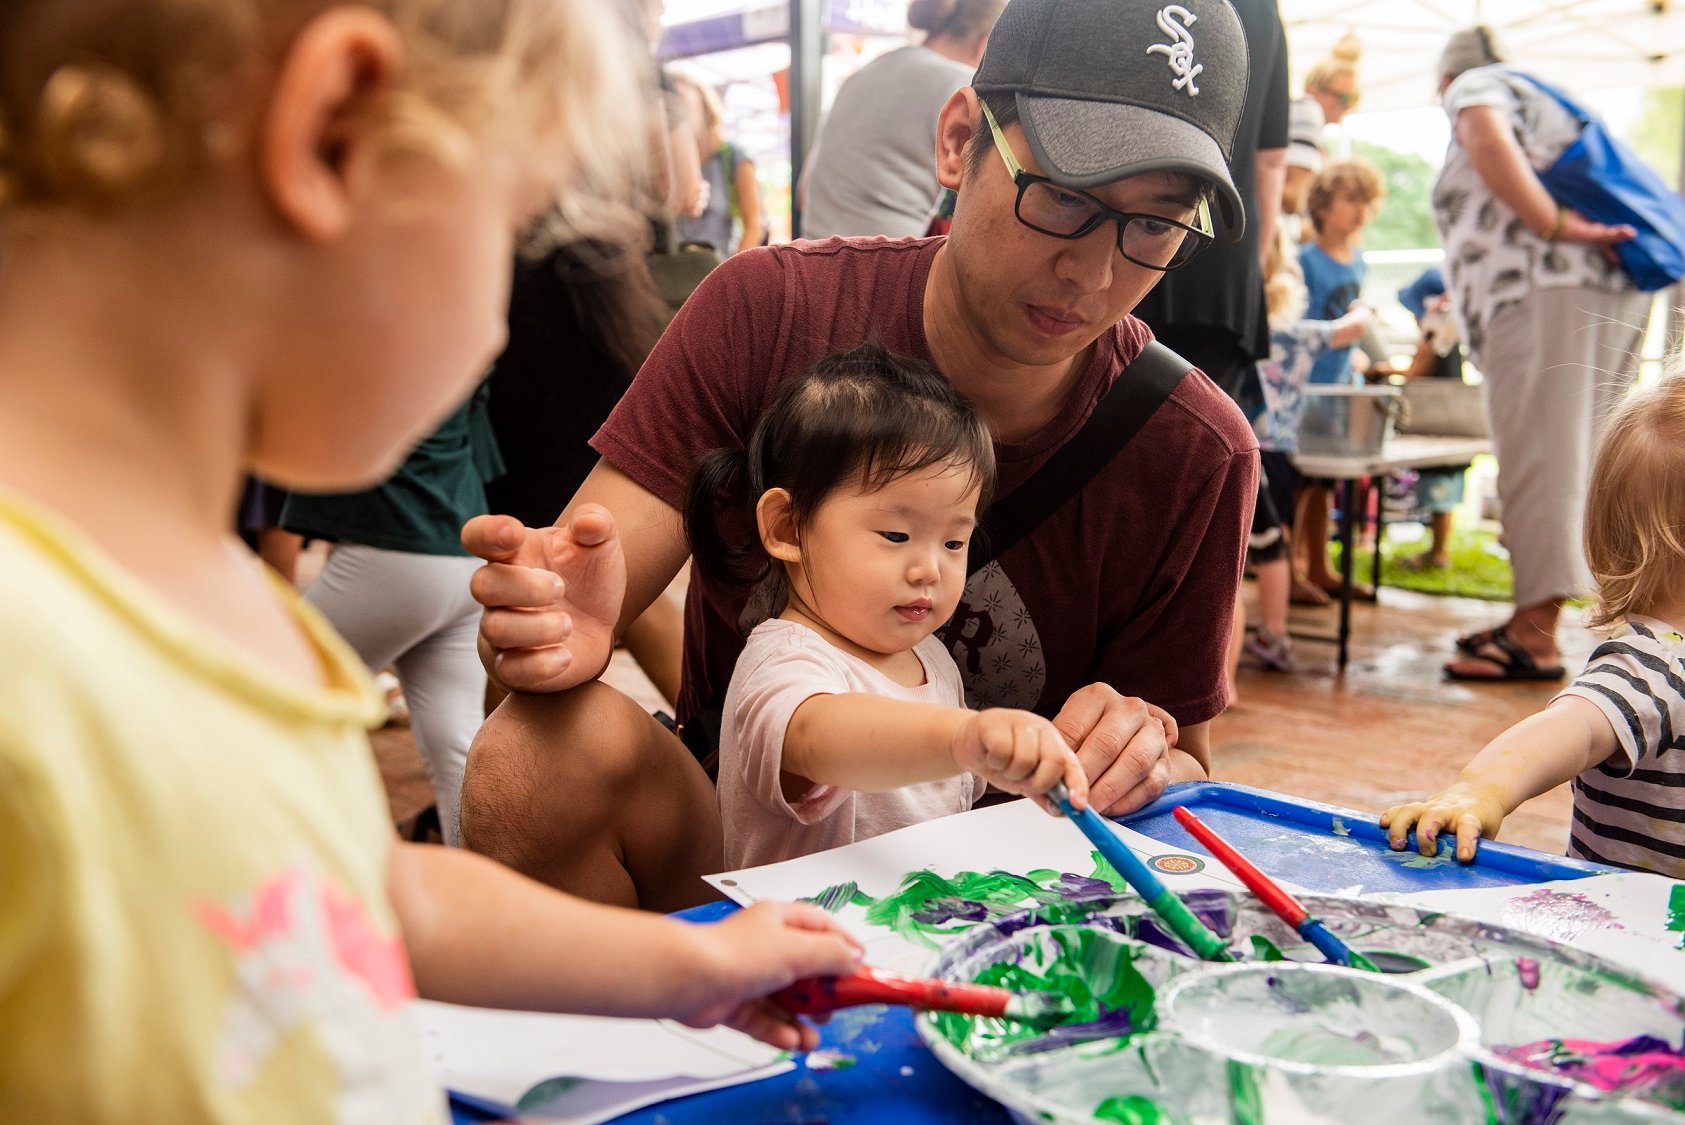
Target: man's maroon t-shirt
1130 583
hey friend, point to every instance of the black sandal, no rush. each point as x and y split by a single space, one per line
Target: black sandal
1515 664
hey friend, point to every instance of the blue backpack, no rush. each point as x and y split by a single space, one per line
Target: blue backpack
1607 182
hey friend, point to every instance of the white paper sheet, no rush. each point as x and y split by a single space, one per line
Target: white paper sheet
1017 837
1622 917
500 1056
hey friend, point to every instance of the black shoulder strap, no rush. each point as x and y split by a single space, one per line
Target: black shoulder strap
1133 397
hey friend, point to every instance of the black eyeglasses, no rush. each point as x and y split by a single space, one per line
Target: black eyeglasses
1147 240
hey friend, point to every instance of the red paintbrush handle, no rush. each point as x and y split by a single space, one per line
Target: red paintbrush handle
817 995
1286 907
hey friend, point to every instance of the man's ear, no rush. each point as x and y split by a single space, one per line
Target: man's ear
315 130
954 128
776 519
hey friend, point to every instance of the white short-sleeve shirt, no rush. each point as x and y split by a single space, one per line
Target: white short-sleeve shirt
783 665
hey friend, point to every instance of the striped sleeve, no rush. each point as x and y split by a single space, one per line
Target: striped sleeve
1630 811
1638 682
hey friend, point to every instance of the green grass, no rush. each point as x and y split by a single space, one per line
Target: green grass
1476 571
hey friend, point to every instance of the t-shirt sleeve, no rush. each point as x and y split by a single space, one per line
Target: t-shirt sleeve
1272 131
701 386
773 681
1186 623
1635 682
1481 86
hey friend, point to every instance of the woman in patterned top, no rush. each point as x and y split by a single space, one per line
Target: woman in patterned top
1618 732
1551 322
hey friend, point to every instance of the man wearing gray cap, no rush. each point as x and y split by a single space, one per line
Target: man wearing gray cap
1086 155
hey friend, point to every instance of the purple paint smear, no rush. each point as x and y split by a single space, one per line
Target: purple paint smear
1560 915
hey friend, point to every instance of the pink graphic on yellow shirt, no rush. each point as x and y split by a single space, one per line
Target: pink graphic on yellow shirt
309 959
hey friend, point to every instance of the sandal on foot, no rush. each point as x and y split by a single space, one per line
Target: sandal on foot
1361 591
1423 562
1474 642
1514 663
1306 593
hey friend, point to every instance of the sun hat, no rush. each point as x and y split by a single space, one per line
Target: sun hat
1108 89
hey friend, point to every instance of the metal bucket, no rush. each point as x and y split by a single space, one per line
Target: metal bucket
1347 421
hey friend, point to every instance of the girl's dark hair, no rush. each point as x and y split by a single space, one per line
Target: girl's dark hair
864 416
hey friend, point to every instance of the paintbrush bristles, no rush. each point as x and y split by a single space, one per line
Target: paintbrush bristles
1045 1009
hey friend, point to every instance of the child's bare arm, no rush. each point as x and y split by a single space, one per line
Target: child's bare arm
1534 756
1351 327
478 933
872 744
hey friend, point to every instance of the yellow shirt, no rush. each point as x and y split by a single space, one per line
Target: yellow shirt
193 919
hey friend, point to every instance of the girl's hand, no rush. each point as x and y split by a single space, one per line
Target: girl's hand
1020 752
1471 811
755 952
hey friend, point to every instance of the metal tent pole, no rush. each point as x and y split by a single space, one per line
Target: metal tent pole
807 54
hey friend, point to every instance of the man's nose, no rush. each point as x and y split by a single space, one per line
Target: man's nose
1088 261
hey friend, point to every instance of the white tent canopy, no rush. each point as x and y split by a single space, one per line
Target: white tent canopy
1584 45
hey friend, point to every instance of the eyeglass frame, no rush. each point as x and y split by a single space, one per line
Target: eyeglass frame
1023 180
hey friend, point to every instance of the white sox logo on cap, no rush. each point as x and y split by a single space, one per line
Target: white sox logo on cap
1179 53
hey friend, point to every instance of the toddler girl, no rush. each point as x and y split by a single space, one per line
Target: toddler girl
1616 732
845 717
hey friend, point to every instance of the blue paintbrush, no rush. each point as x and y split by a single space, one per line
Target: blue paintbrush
1166 905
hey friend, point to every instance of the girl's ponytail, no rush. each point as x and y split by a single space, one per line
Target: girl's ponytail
719 497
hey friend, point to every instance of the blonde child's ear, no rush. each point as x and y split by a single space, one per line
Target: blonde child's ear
315 130
776 519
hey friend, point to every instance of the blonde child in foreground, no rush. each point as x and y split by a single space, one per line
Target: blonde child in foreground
1618 731
269 236
845 717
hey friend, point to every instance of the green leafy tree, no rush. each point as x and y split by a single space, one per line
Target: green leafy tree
1657 132
1405 220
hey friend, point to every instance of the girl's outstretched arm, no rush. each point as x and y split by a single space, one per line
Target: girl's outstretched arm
1532 757
478 933
869 743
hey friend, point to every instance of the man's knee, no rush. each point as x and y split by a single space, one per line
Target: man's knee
542 770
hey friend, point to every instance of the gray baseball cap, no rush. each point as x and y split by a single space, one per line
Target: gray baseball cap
1113 88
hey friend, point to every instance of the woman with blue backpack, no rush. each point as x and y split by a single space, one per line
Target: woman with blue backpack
1551 319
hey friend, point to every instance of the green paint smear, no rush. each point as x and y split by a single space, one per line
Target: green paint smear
1133 1110
1263 949
1095 970
546 1091
927 905
1246 1104
1676 910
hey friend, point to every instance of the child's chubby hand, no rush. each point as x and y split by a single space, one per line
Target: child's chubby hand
1470 810
1020 752
757 951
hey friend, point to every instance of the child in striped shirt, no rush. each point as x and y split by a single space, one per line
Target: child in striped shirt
1618 731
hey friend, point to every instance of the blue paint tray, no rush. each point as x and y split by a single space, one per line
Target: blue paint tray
1327 848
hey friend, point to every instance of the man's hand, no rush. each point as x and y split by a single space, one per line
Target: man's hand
1123 744
552 598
